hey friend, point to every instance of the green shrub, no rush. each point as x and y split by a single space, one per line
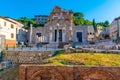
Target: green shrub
60 52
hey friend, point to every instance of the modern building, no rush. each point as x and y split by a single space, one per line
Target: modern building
114 28
21 33
41 19
12 31
60 28
2 42
8 29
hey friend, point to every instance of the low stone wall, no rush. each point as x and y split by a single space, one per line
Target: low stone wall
26 56
90 50
38 72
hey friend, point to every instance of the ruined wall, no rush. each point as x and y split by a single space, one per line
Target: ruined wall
26 56
82 29
39 72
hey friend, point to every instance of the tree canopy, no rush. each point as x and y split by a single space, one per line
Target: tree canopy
78 15
27 21
104 24
80 20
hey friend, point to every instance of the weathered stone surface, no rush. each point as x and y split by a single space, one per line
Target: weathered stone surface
94 73
41 72
27 56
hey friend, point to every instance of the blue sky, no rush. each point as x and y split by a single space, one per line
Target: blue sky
101 10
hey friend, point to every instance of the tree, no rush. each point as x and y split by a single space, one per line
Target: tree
24 19
87 22
106 23
79 21
78 15
94 25
78 18
27 21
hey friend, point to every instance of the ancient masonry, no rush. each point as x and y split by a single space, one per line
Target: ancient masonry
59 28
27 56
39 72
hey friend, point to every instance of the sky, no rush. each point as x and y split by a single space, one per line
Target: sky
100 10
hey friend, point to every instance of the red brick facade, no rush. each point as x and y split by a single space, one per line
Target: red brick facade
38 72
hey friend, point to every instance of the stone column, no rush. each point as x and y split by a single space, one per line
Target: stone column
57 32
71 33
30 36
57 35
50 34
64 34
119 26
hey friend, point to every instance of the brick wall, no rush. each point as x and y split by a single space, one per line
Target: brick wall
26 56
41 72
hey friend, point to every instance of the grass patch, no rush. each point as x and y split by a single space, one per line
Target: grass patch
59 52
87 59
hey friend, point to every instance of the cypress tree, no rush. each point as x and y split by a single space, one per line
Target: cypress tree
94 25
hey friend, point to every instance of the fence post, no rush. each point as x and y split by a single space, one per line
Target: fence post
14 47
7 47
46 46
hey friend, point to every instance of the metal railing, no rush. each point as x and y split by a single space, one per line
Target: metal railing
43 47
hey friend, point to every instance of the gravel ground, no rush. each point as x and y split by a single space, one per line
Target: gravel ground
9 74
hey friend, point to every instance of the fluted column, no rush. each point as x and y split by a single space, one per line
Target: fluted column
50 34
64 34
119 26
31 32
57 35
71 33
57 32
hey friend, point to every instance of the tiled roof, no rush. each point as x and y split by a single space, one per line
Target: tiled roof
117 18
13 19
7 19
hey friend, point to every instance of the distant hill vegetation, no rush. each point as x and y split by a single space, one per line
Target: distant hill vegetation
78 18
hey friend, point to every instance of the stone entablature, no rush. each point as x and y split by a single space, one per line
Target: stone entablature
61 16
42 72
